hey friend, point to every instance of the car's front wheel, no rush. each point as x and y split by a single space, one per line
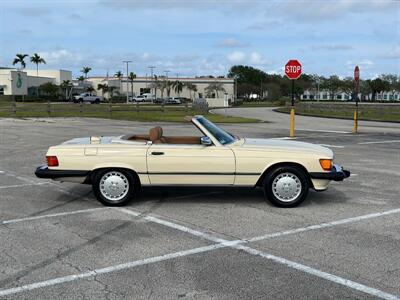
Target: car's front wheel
286 186
114 187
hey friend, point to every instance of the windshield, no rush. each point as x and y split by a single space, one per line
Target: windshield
221 135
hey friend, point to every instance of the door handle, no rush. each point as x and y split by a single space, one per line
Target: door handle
157 153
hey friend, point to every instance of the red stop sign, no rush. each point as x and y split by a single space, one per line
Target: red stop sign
357 73
293 69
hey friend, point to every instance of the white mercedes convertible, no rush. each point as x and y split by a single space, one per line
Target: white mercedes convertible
118 166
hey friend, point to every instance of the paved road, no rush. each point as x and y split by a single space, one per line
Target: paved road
303 123
49 230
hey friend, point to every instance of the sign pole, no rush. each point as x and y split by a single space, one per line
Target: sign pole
356 88
293 72
292 113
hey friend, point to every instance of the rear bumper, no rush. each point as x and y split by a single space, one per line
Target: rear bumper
45 172
337 174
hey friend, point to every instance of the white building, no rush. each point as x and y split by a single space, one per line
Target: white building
25 82
141 85
342 96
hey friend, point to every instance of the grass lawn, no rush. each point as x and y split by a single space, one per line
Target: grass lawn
384 113
145 113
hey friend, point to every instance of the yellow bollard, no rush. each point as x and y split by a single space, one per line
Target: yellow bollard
292 122
355 128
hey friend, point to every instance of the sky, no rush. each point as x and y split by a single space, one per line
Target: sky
204 37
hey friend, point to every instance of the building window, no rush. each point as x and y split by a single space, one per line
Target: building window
311 97
144 91
339 97
346 97
384 97
325 96
1 91
304 97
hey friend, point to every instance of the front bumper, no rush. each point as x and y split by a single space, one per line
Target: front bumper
337 174
44 172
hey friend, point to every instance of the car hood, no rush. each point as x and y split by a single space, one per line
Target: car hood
286 145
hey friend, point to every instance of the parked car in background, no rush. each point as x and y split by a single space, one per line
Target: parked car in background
88 98
173 100
142 98
158 100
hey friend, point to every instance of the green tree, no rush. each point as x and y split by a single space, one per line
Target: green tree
36 59
119 75
168 86
80 78
378 85
214 87
85 71
333 85
49 89
20 59
103 87
131 77
90 89
66 85
192 88
178 87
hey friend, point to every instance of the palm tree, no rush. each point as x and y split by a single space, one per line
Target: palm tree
161 86
36 59
111 90
80 78
65 85
20 59
131 78
119 75
86 70
90 89
192 88
168 86
103 88
178 87
214 87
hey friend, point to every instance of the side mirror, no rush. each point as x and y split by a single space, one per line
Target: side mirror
206 141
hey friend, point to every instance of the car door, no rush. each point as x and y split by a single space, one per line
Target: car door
171 164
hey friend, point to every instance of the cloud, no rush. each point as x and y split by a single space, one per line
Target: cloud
331 47
394 53
309 11
75 17
236 57
30 11
257 59
231 43
364 64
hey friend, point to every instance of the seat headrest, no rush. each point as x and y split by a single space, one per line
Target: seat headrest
155 133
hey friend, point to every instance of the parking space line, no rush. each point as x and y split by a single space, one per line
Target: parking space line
379 142
321 274
328 131
53 215
324 275
22 185
110 269
325 225
332 146
220 243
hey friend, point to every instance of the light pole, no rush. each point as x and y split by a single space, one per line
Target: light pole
127 74
166 73
151 72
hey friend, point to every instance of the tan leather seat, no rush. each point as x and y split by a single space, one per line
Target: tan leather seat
156 135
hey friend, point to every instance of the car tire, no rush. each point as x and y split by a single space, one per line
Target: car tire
97 101
114 187
286 186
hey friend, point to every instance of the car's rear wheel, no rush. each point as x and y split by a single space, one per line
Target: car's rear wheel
286 186
114 187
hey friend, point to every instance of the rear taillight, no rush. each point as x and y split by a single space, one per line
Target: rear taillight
52 161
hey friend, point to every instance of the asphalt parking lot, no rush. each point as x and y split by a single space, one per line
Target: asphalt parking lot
57 241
